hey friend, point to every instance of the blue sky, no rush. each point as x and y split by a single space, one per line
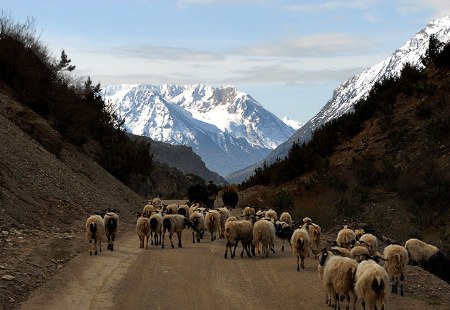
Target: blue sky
288 55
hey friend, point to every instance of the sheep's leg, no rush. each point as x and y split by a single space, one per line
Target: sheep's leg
179 239
247 247
171 241
226 250
163 237
193 237
298 262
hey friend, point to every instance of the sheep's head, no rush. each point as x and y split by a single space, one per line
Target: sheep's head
323 256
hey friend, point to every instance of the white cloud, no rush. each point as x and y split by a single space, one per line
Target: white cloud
331 5
325 45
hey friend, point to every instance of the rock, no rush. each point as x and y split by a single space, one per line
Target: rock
8 277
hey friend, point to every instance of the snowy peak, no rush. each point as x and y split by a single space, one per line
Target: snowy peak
359 86
351 91
210 120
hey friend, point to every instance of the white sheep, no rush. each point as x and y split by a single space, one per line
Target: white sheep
224 214
212 222
249 212
314 232
396 260
184 210
264 234
359 232
156 225
337 250
359 253
300 244
157 204
198 225
231 218
371 284
111 221
420 251
338 280
148 209
95 229
236 231
174 223
143 231
272 214
172 208
286 217
346 237
371 242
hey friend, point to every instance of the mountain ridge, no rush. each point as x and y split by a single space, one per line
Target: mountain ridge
357 87
226 127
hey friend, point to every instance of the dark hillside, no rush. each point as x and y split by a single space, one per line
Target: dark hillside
387 164
182 158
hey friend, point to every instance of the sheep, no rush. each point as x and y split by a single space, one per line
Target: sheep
95 229
174 223
184 210
314 232
286 217
300 243
371 242
231 218
248 212
264 234
396 260
346 237
157 203
338 279
337 250
111 221
143 231
420 252
358 233
236 231
148 209
172 209
212 222
272 214
284 232
359 253
371 284
198 225
156 225
224 214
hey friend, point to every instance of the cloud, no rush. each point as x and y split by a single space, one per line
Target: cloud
319 45
331 5
281 74
440 7
167 53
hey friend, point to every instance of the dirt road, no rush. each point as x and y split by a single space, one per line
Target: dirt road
193 277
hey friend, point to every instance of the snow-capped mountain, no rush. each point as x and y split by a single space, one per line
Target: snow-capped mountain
226 127
358 87
292 123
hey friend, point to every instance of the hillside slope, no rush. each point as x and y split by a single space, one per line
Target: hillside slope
45 200
386 165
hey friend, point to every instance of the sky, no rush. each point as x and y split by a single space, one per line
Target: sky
289 55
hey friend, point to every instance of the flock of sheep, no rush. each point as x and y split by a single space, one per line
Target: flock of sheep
352 269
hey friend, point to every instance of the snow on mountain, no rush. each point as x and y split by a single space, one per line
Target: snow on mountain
292 123
226 127
358 87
